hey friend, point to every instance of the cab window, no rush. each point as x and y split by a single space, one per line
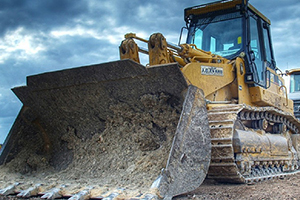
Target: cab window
268 50
219 34
256 50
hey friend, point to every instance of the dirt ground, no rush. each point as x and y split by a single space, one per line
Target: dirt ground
286 188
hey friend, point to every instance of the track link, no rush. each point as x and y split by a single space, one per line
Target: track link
225 166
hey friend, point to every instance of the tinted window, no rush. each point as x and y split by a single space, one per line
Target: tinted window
256 49
221 34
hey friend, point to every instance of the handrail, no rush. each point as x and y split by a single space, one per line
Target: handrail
286 95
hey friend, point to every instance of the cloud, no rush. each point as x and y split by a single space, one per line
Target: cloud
39 15
20 44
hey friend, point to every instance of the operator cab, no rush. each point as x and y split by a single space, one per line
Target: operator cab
228 28
295 84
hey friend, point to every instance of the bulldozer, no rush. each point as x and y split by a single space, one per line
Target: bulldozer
294 77
215 107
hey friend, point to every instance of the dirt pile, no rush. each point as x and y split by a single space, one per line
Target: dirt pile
129 153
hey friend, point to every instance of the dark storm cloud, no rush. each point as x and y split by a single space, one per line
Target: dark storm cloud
285 20
278 10
74 51
146 16
38 15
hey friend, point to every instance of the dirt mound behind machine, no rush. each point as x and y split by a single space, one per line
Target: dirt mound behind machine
215 107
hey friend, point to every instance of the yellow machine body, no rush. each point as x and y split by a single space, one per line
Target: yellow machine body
253 129
228 85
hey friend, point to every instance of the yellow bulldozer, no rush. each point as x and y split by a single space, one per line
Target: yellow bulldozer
215 107
294 77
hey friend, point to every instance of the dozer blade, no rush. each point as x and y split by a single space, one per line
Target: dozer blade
107 131
190 153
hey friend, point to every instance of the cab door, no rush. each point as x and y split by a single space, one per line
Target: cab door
261 52
256 51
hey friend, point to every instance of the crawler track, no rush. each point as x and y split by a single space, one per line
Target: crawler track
227 164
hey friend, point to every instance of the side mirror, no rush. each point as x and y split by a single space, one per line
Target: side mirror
183 35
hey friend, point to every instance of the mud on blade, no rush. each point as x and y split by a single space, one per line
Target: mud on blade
109 125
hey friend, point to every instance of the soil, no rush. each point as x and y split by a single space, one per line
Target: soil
130 153
286 188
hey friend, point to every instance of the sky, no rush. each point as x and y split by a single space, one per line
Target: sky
39 36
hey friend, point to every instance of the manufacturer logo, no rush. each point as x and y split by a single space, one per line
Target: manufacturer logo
214 71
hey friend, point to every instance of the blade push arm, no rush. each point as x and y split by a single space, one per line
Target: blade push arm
161 52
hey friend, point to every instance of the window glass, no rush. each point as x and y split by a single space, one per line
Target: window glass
267 47
295 83
213 44
198 39
221 34
255 47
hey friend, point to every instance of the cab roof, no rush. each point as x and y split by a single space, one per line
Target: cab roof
219 6
292 71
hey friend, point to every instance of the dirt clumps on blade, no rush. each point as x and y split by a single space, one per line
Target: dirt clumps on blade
136 141
129 153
